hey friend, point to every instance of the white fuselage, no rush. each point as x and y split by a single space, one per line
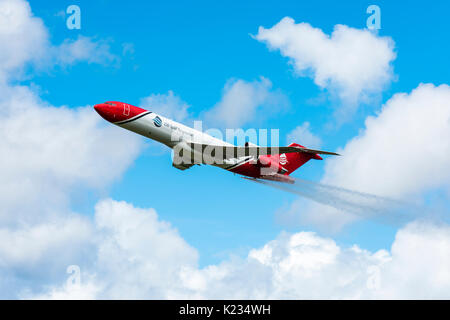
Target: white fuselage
172 133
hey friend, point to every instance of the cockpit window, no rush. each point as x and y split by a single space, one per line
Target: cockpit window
111 104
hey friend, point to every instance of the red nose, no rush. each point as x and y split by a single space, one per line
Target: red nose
117 112
107 111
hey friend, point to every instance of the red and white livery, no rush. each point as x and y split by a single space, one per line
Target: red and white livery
195 147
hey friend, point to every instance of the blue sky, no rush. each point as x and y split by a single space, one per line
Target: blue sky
193 49
78 191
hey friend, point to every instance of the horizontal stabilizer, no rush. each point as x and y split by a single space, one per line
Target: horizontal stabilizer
306 150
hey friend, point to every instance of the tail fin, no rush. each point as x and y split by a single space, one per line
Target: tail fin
294 160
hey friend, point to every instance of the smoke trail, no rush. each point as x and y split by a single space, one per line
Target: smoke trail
382 209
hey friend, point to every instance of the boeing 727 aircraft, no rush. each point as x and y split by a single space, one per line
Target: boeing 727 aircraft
192 147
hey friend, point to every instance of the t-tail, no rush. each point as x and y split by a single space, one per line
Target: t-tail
294 160
291 161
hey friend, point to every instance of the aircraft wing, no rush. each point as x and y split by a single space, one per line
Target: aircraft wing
234 151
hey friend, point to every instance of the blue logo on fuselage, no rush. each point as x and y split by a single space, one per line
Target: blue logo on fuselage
157 121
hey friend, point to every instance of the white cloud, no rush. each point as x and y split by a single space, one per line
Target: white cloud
143 255
127 252
87 291
241 103
351 62
168 105
303 135
24 40
403 152
140 256
298 266
33 256
137 256
304 265
244 101
420 264
34 245
50 151
48 154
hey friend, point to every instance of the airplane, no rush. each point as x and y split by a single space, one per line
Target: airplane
191 146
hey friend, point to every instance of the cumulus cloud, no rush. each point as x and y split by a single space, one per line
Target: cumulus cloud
244 101
132 263
168 105
33 245
304 265
25 41
23 37
403 152
128 252
406 144
302 134
136 256
142 253
35 255
87 291
49 151
355 64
